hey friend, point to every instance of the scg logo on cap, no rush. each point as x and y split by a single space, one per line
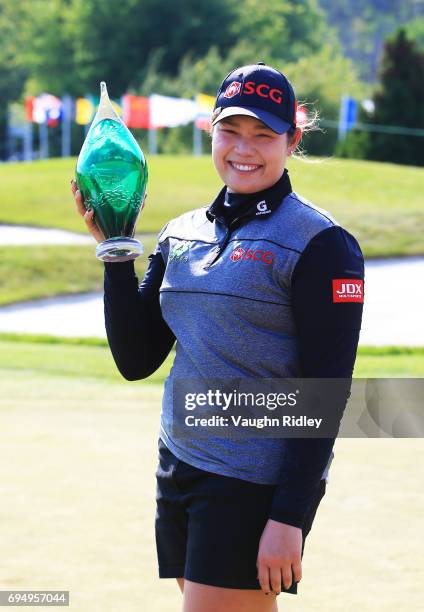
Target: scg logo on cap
250 88
263 92
232 90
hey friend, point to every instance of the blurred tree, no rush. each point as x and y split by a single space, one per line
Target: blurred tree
399 102
204 74
284 29
180 48
320 81
114 41
49 47
363 25
415 30
70 45
356 144
12 74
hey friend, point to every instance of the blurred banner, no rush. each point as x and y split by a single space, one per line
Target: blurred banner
84 111
348 115
205 106
47 109
171 112
44 108
29 108
135 111
149 113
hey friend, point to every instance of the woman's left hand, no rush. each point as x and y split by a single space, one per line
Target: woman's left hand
280 552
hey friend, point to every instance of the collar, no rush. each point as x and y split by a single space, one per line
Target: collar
253 206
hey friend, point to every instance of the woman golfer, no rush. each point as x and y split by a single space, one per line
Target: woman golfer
258 284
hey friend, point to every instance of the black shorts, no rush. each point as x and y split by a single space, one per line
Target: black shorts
208 526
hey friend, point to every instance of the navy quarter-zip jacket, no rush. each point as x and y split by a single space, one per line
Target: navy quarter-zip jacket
245 288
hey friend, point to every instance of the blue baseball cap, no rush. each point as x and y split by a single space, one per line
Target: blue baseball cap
257 91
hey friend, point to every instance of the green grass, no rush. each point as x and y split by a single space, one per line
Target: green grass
38 193
79 454
381 204
91 358
42 271
389 361
77 472
78 490
73 358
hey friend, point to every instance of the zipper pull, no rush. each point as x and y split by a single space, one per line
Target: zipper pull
218 249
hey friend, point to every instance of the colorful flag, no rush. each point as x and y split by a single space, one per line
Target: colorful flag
29 108
135 111
86 108
171 112
205 106
84 111
47 109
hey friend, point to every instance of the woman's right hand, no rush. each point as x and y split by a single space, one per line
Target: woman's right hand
87 214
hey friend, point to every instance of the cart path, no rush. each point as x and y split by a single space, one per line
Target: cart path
394 295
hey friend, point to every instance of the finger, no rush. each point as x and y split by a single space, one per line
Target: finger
297 571
263 577
92 226
275 579
80 203
286 573
73 186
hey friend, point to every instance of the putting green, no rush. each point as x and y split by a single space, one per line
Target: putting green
78 503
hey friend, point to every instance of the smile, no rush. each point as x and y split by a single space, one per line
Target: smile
244 167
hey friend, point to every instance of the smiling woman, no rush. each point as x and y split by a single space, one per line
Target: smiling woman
246 286
248 155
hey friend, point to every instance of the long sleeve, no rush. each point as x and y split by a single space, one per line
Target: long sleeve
138 336
328 323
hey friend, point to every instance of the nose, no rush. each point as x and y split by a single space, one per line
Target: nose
244 147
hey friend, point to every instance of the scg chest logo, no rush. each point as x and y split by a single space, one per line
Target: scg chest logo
252 255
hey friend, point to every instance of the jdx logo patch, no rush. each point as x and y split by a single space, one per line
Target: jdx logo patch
348 290
266 257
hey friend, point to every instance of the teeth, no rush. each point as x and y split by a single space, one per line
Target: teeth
244 167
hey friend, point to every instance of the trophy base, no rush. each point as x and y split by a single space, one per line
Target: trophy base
119 249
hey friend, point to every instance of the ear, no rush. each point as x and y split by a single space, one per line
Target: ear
295 141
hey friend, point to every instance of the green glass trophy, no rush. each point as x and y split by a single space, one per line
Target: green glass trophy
111 174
